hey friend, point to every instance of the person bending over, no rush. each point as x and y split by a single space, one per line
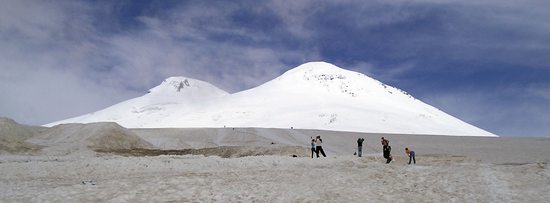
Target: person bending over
410 153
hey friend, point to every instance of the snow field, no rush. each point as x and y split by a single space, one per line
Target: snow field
65 166
269 178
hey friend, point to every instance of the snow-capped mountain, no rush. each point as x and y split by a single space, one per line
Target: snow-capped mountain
315 95
174 94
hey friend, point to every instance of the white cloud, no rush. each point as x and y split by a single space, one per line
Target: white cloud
539 91
296 14
45 62
57 60
386 74
55 63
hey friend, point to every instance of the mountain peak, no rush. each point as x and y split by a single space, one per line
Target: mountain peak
184 85
174 84
317 77
314 68
317 64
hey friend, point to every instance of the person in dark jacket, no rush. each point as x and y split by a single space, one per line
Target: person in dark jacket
312 147
387 153
360 146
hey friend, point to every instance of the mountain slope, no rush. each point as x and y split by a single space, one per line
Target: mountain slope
173 94
315 95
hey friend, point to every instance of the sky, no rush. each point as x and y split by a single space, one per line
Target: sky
485 62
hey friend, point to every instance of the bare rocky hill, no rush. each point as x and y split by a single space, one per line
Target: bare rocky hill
13 136
69 138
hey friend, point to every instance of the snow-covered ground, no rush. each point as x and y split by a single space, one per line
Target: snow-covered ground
100 163
107 178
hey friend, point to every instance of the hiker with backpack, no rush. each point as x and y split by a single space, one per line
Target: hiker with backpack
360 146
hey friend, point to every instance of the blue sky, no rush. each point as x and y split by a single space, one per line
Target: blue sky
486 62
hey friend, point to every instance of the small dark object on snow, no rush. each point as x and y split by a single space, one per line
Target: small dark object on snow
294 155
89 182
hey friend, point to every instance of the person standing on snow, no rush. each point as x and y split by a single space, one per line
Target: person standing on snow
387 153
360 146
312 147
386 149
319 147
411 155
